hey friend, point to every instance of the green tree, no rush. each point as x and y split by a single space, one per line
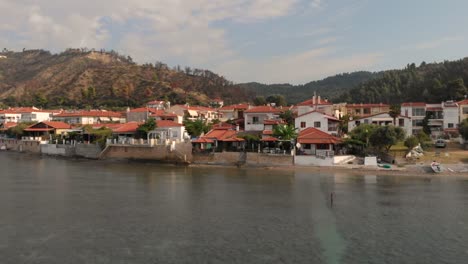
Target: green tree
463 129
17 131
361 134
143 129
259 100
197 127
386 136
456 89
285 132
288 116
411 142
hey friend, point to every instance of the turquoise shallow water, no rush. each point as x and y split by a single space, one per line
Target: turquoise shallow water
79 211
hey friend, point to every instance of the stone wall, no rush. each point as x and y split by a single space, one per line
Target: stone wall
58 150
217 158
20 145
311 160
261 159
180 153
89 151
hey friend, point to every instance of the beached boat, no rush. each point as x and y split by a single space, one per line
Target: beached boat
436 167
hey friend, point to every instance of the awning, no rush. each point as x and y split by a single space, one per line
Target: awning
38 129
192 112
202 140
269 139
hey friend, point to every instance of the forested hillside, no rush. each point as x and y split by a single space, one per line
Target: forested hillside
84 78
430 82
331 87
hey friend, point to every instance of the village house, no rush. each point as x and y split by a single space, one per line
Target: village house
358 110
316 103
194 112
383 119
10 116
222 137
232 112
158 105
166 132
139 114
254 118
442 118
43 130
317 148
462 110
89 117
163 115
318 120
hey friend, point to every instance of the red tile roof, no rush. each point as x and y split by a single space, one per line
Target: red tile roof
325 115
269 139
310 102
463 102
314 136
49 125
143 110
267 132
129 127
264 109
57 124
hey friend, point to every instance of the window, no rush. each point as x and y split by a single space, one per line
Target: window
417 122
366 121
465 110
303 124
401 122
450 125
255 119
419 112
366 111
358 111
358 123
316 124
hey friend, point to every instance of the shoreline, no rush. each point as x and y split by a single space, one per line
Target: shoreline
408 170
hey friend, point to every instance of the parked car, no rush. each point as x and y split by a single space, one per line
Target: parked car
440 143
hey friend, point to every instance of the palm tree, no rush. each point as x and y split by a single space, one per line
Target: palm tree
395 111
285 132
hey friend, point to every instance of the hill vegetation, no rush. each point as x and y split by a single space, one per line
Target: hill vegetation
89 79
331 87
430 82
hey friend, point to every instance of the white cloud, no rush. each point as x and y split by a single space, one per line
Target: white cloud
300 67
436 43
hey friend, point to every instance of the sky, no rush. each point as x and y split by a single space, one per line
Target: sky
268 41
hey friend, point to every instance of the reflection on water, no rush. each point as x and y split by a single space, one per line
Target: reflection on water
63 211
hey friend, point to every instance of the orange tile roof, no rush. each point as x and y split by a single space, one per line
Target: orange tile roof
314 136
310 102
264 109
269 139
92 113
57 124
273 122
143 110
234 107
463 102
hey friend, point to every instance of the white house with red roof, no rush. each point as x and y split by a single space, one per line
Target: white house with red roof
316 103
10 116
451 116
89 117
42 130
318 148
232 112
26 114
254 118
166 132
318 120
207 114
416 111
383 119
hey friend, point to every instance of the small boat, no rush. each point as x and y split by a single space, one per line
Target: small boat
436 167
